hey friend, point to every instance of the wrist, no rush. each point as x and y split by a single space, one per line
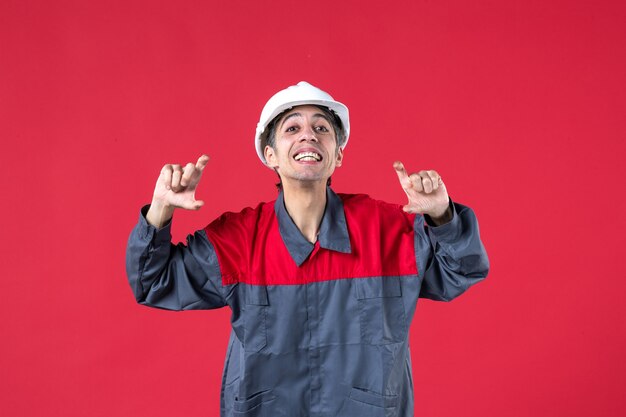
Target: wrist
159 213
442 217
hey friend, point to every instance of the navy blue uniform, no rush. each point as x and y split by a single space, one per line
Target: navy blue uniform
318 329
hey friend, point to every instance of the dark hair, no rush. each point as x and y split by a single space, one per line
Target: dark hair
270 138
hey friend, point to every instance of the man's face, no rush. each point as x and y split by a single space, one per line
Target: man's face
305 147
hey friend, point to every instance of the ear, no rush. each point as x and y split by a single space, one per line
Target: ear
270 156
339 159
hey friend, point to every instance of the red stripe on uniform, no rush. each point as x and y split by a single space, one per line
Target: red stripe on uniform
250 249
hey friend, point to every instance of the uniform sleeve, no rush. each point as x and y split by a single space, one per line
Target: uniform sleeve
172 277
451 258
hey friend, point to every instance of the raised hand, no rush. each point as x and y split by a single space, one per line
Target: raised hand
426 192
176 188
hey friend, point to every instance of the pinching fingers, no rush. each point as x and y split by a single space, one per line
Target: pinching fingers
416 182
426 182
177 173
430 180
434 178
166 173
187 175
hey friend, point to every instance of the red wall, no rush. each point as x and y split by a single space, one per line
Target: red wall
518 104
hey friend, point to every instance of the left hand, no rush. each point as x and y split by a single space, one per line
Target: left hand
426 192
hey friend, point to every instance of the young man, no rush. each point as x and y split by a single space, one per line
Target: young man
322 287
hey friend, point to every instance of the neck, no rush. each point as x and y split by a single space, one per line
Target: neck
305 205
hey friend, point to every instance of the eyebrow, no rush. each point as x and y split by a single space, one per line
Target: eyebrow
316 116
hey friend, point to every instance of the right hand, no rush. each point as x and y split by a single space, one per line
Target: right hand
176 188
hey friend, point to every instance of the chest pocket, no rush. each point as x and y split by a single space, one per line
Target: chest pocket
255 316
381 310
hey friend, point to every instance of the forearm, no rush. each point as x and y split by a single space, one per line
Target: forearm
147 254
173 277
452 255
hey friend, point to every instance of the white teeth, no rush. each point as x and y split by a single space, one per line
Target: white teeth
308 156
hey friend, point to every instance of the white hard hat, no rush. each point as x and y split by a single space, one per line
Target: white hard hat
298 95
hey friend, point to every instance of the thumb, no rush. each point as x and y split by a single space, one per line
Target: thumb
192 204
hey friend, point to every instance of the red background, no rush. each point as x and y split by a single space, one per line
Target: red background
518 104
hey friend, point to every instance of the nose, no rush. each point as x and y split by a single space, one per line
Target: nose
308 134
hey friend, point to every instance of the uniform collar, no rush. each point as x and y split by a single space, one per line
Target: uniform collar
333 233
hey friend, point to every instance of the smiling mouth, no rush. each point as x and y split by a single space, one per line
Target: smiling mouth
308 157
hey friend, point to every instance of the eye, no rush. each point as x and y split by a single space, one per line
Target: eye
323 129
291 129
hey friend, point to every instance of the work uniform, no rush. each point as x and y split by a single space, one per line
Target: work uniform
317 329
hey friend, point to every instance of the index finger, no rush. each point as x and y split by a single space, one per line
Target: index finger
202 162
